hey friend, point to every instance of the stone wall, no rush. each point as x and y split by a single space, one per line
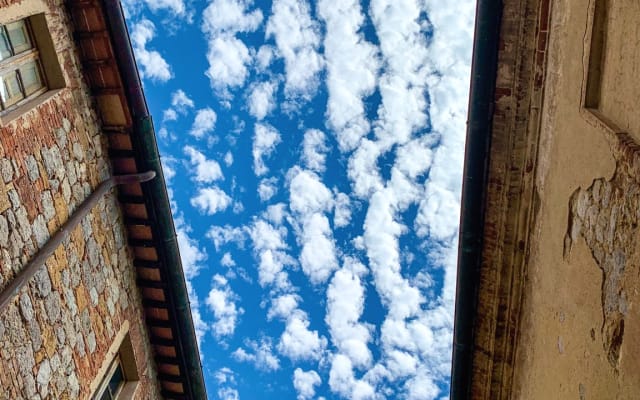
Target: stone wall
606 215
55 334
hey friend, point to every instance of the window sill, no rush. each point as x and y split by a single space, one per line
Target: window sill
30 104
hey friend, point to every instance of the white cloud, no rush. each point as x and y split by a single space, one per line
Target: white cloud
221 301
318 255
283 306
204 122
314 150
153 65
267 188
211 200
352 65
407 66
309 199
207 171
192 257
305 383
401 364
227 260
342 380
228 159
228 56
297 37
298 342
308 194
169 115
224 16
227 393
226 381
176 7
180 104
221 235
363 169
345 303
262 99
422 386
181 101
415 157
265 139
276 213
342 211
259 354
381 235
269 243
264 57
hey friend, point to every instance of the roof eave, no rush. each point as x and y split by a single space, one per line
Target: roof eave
474 191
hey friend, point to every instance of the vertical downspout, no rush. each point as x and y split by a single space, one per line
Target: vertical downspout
479 129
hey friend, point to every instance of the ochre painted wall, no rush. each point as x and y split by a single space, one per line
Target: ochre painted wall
579 333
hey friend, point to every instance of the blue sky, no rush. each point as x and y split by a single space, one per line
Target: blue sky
313 153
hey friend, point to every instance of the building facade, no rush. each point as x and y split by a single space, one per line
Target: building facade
106 315
549 277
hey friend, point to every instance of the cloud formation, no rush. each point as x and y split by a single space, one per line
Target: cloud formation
206 171
262 99
221 301
265 139
211 200
297 39
228 56
153 65
204 122
305 383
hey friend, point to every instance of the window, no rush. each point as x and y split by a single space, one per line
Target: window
118 375
20 68
113 383
30 71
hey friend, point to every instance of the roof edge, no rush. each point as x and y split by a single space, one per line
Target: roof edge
474 191
147 157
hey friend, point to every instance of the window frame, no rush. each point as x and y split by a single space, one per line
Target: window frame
104 386
52 78
121 354
16 61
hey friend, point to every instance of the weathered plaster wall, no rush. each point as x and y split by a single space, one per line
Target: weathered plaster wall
580 324
54 336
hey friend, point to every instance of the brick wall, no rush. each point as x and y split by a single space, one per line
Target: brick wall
54 336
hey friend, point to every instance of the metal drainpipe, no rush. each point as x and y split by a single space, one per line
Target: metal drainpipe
8 293
477 155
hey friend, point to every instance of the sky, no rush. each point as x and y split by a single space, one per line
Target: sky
313 153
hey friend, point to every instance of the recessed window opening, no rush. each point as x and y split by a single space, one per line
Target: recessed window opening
21 75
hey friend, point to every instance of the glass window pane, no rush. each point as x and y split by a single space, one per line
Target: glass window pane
117 379
19 36
30 74
106 396
10 92
5 49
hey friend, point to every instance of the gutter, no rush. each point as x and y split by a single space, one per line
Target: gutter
157 201
474 189
29 270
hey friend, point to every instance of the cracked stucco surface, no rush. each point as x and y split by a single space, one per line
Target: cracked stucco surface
579 333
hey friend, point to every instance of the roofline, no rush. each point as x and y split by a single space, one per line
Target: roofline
147 158
474 190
